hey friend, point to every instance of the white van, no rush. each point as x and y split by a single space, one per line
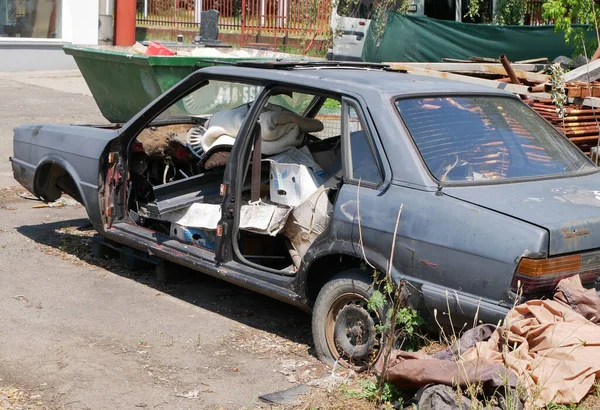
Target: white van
350 21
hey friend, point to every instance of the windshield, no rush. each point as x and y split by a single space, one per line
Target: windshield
217 96
487 139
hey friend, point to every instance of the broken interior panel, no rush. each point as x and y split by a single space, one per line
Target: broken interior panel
177 164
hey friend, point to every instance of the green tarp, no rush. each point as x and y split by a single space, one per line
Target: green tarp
422 39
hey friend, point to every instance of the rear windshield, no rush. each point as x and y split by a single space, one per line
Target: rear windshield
465 139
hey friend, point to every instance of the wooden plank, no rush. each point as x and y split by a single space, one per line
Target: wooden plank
454 60
484 60
517 89
581 73
589 102
541 60
484 68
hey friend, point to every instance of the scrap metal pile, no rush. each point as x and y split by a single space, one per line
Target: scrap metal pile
579 124
578 118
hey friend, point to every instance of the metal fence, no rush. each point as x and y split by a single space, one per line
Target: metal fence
533 13
308 18
276 17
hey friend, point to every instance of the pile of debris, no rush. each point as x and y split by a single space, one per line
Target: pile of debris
580 119
579 124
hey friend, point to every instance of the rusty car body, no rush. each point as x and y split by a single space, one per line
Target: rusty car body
496 204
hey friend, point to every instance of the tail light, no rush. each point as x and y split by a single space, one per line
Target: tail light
542 275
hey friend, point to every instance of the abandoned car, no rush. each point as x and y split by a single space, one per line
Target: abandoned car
288 178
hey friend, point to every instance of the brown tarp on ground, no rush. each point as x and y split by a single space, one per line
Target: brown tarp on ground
553 350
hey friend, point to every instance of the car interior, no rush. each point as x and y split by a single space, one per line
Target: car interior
292 174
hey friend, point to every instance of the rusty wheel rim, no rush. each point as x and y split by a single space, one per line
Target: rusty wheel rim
351 332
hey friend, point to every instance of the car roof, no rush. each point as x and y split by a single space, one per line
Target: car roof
352 79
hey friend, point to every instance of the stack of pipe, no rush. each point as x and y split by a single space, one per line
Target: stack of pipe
580 124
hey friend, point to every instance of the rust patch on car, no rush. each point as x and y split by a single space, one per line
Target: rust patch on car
569 234
427 263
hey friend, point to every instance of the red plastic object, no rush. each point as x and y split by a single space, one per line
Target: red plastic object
157 49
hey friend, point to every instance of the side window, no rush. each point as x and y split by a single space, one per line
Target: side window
363 163
330 115
295 102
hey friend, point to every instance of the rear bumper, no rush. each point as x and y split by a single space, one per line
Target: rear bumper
464 309
467 309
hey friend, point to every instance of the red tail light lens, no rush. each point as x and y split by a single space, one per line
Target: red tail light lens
542 275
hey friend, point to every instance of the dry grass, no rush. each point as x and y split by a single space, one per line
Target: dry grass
338 397
15 399
74 244
591 401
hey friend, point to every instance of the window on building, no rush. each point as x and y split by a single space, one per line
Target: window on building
30 18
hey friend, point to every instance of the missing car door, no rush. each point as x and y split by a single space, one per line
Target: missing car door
178 160
292 168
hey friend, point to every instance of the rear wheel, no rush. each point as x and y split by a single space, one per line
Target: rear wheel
344 329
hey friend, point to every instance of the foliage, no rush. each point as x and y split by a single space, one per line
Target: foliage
369 391
565 13
510 12
332 104
411 321
376 301
474 7
378 13
572 406
381 14
558 94
408 320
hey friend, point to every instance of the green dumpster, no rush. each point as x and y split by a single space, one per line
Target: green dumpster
123 83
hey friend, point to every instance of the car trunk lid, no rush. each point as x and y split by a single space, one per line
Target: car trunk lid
569 208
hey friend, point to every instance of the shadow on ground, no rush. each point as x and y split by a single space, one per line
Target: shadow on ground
73 238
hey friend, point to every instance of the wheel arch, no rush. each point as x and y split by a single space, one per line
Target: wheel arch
47 175
325 267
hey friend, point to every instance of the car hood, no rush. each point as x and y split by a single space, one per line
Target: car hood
569 208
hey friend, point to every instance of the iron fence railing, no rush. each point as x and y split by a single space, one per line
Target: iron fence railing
265 17
247 16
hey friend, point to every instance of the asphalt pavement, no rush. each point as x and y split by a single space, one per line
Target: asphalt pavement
85 333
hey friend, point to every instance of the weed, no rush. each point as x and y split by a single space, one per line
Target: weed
571 406
370 391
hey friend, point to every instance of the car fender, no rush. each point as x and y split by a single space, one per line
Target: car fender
53 159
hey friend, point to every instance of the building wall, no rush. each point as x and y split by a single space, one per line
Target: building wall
80 21
78 25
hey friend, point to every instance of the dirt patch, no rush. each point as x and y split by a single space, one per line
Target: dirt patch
156 139
10 195
292 359
11 398
341 396
591 401
74 244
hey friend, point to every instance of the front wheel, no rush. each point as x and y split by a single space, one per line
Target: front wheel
345 330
